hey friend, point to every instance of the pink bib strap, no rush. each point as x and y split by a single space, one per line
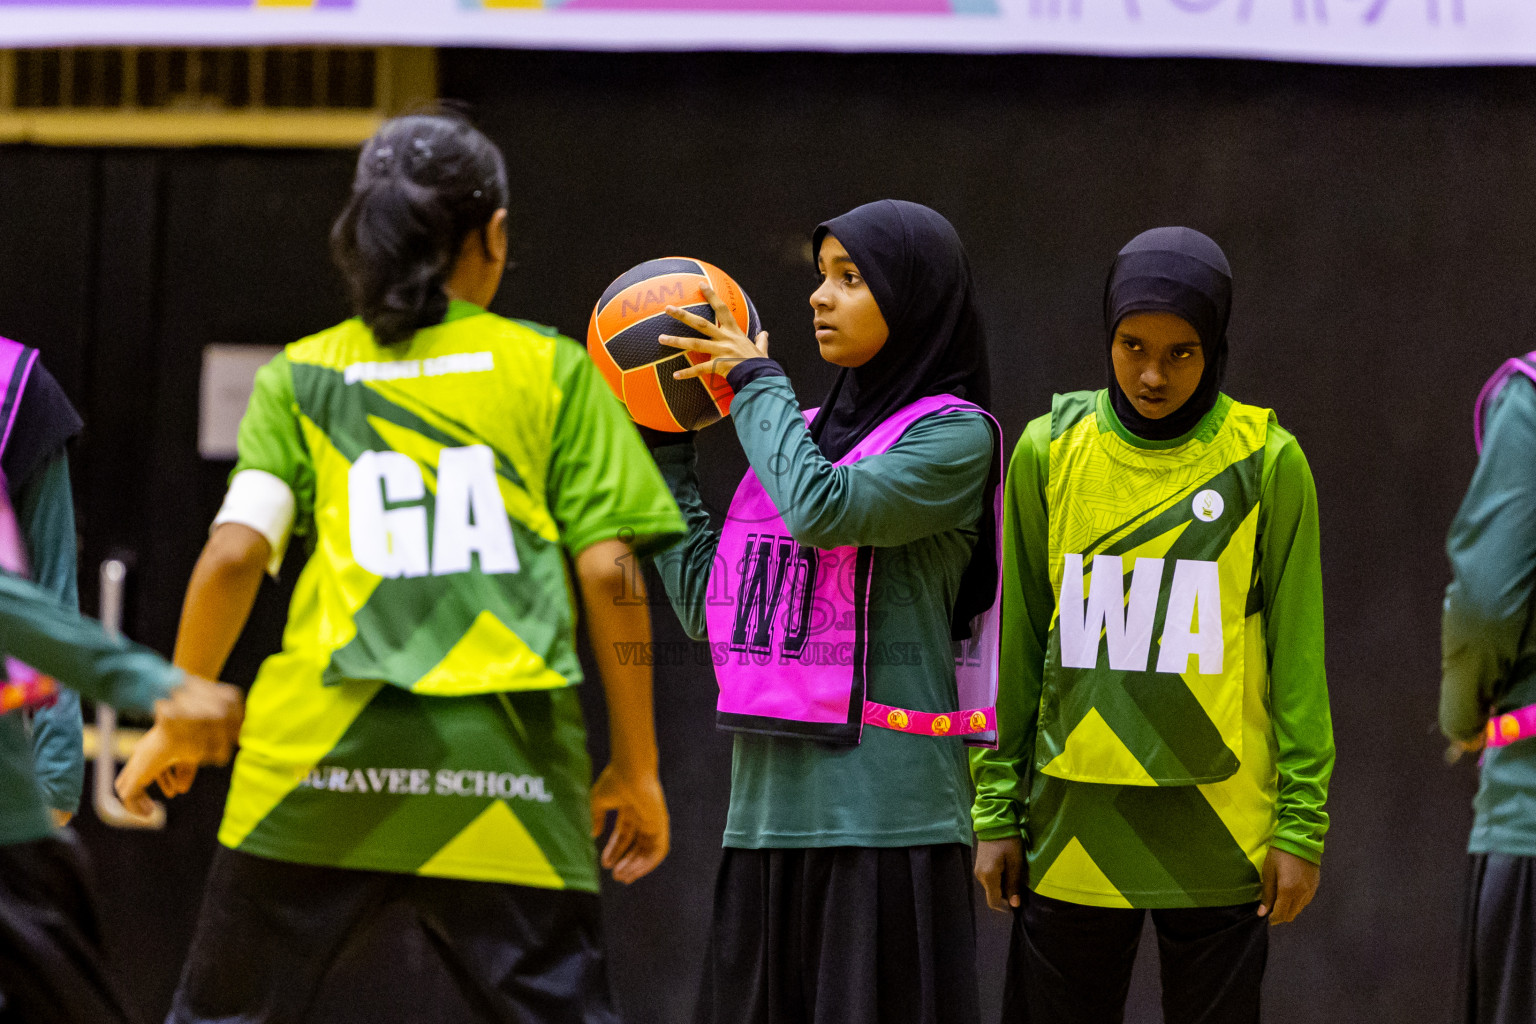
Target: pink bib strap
22 687
26 688
923 723
1513 725
1495 384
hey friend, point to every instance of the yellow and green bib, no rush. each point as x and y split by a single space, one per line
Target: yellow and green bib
422 716
438 567
1152 563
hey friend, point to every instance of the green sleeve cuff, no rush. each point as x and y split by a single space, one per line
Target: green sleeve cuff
679 458
1305 849
999 832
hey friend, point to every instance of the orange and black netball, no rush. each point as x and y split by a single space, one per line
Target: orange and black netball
632 314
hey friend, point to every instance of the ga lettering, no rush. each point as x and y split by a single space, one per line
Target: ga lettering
389 532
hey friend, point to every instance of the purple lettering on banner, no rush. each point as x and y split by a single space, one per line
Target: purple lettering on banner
1053 9
1315 12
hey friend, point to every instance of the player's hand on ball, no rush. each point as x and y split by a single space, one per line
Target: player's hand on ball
197 724
1000 870
642 832
1289 883
724 339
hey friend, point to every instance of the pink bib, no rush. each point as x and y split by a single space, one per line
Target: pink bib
1520 364
795 632
1504 729
23 687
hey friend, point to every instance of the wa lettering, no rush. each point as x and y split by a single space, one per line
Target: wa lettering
1191 628
387 495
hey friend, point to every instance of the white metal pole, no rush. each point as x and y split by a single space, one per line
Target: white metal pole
114 572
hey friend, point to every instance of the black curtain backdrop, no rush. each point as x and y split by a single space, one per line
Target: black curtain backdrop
1382 234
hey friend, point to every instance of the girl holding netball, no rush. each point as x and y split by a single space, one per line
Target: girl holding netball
860 545
1186 776
418 740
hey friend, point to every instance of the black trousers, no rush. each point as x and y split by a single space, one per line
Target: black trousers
1498 941
842 935
1071 964
283 943
51 965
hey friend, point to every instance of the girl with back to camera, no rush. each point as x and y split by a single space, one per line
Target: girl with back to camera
418 740
1165 739
861 544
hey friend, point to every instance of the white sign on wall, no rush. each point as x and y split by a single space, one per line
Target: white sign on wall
229 372
1344 31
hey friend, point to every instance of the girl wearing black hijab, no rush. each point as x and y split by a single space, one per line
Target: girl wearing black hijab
1185 776
844 892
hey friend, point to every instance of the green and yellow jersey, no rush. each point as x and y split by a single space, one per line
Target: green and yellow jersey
420 717
1163 707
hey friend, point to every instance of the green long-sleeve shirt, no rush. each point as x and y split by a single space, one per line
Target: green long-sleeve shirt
76 652
1488 646
1163 825
918 505
45 511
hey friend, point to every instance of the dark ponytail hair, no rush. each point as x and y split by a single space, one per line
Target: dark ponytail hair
424 183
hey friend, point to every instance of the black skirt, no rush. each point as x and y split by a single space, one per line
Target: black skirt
1498 941
842 935
285 943
51 966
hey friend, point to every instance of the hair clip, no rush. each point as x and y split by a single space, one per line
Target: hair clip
421 148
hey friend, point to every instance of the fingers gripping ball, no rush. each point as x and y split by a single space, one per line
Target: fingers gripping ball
632 314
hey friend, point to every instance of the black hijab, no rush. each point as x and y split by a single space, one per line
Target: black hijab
917 271
1180 271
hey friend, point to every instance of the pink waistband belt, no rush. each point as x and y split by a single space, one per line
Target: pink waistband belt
26 688
1513 725
951 723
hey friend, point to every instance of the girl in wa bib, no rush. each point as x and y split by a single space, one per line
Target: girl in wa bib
1165 740
860 546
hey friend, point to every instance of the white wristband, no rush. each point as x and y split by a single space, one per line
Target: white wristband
265 503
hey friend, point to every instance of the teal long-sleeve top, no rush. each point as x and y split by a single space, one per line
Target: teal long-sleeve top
918 505
1290 577
1488 646
76 652
45 511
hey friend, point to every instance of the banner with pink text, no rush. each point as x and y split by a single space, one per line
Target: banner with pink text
1338 31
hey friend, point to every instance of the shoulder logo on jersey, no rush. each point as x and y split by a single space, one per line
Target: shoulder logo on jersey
1208 506
387 497
1191 627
